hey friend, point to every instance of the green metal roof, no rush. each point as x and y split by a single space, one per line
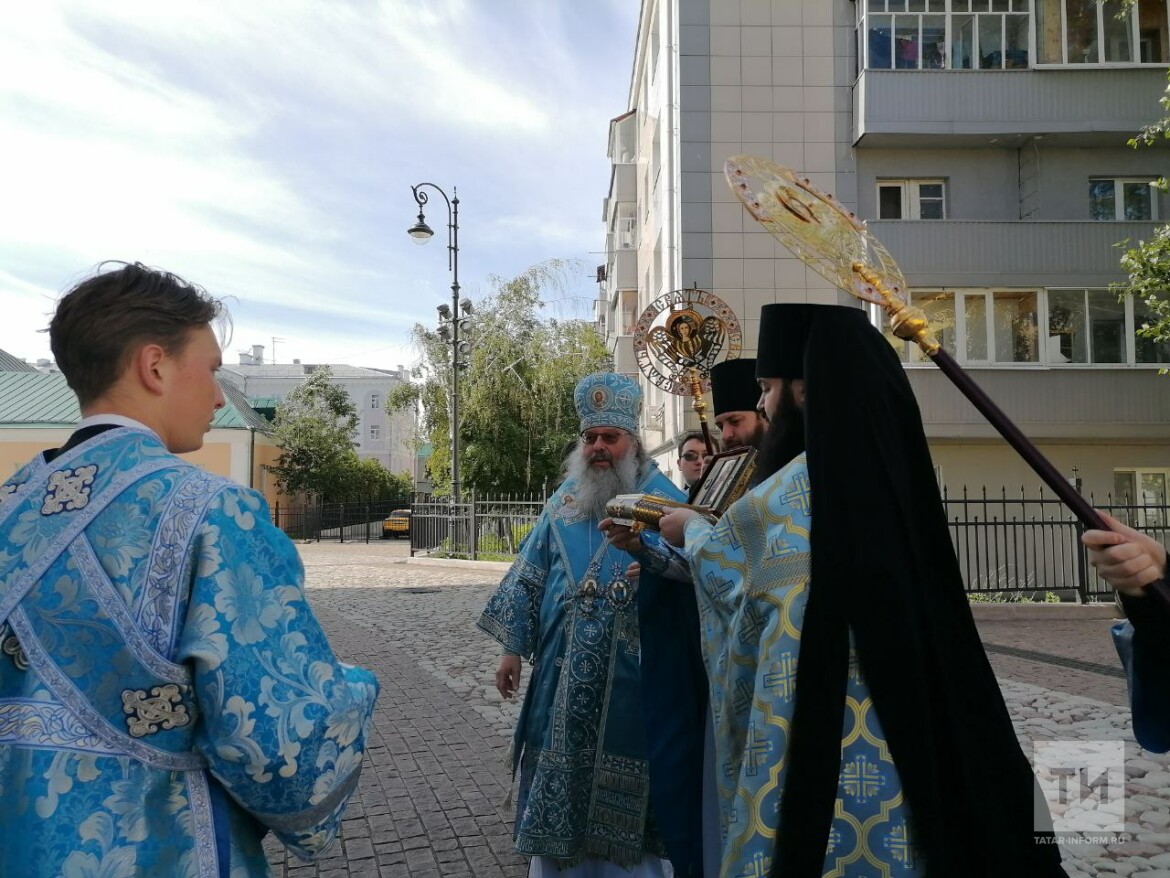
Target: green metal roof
238 413
40 399
43 399
9 363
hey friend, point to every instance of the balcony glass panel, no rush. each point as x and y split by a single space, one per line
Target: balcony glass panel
1118 33
1106 327
975 312
962 41
1081 26
1016 36
1153 36
934 41
906 42
1067 340
880 54
990 42
1148 350
940 312
1016 327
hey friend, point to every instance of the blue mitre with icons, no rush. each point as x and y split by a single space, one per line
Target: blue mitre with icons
607 399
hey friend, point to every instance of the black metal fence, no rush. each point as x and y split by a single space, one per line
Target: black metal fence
483 527
340 522
1019 544
1005 543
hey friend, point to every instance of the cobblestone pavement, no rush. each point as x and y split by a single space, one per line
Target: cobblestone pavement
432 796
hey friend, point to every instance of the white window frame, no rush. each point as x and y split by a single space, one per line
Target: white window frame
1119 199
949 11
375 433
911 196
1138 502
1135 41
959 297
375 400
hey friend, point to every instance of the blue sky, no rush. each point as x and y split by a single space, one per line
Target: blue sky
266 148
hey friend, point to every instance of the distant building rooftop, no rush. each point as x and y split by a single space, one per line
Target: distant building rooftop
9 363
43 399
299 370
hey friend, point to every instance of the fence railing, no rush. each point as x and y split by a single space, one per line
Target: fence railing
340 522
1005 543
1016 544
483 527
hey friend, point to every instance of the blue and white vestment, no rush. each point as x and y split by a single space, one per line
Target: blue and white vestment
166 695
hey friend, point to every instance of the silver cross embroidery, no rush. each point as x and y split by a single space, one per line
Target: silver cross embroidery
69 489
145 716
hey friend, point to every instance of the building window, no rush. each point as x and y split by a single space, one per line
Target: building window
1016 322
1090 32
911 199
1143 491
1148 350
375 432
936 34
375 400
1122 198
1087 327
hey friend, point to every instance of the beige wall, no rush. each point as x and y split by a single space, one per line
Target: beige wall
225 453
996 465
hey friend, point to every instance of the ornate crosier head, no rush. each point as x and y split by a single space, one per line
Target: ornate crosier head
828 238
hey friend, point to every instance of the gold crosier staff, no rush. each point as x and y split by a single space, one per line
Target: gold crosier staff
699 404
835 243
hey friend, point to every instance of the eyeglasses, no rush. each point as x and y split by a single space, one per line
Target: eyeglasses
691 456
607 438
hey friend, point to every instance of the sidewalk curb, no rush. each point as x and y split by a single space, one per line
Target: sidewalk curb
1031 612
500 567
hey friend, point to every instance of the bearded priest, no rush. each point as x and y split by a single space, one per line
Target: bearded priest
610 738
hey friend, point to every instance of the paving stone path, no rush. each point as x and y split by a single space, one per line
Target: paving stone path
432 799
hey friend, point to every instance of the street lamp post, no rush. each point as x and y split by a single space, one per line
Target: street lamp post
452 318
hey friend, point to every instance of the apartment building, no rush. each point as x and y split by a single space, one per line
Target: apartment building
984 142
386 436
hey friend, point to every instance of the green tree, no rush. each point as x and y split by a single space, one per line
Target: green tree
370 480
1147 263
314 427
516 396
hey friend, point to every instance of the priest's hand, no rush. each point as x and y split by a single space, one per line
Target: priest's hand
634 571
1127 559
673 525
620 536
508 675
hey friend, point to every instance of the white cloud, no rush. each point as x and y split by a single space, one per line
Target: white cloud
265 148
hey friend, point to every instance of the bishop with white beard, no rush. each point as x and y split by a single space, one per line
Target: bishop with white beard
609 741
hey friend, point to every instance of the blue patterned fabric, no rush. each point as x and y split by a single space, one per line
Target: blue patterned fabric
751 572
607 399
156 641
580 740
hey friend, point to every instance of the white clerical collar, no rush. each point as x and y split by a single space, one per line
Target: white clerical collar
115 420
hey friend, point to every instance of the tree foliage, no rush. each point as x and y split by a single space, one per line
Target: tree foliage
1147 263
516 396
315 427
